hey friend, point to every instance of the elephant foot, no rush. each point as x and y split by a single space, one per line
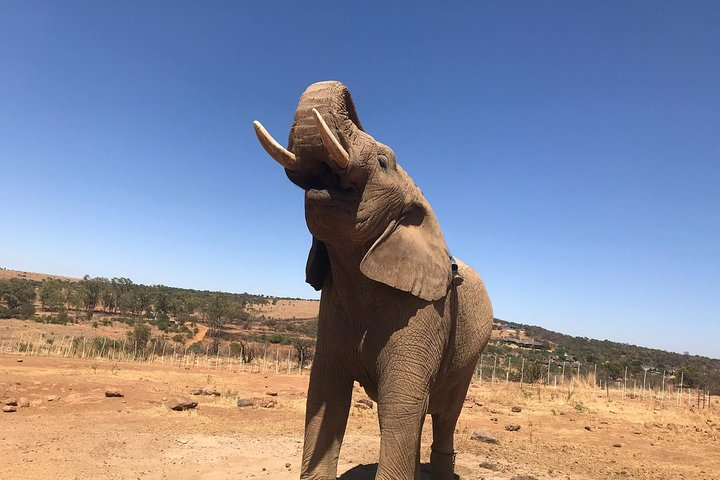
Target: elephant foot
442 465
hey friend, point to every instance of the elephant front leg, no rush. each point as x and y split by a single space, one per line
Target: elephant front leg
326 415
401 420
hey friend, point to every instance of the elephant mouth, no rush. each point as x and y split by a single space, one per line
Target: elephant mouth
324 186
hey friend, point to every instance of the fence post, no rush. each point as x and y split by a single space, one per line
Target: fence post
481 368
493 370
522 373
548 376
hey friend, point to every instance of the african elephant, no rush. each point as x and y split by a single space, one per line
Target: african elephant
390 316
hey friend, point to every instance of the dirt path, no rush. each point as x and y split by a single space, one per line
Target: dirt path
202 331
83 434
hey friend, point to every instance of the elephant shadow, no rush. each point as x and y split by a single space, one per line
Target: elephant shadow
368 471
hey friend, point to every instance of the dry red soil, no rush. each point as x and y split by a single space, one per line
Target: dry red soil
565 433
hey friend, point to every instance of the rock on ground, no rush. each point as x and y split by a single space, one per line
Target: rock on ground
113 392
244 402
181 403
483 437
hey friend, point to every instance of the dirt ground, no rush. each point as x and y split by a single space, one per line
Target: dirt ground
565 433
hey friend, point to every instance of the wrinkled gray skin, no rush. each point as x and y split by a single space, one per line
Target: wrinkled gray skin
389 317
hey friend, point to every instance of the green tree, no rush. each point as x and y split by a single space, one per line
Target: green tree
90 290
51 295
215 312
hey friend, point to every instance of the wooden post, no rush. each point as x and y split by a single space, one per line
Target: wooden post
507 370
625 383
493 370
548 376
595 379
680 392
662 387
522 373
481 368
562 382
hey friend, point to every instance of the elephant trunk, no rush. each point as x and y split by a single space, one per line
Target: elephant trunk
333 102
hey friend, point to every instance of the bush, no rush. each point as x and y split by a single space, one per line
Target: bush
196 348
26 310
140 334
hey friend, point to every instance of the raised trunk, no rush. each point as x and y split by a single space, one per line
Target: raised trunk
334 102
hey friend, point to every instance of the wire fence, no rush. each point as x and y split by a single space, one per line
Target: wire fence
491 368
261 360
660 387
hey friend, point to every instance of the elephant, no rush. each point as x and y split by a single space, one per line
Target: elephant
390 316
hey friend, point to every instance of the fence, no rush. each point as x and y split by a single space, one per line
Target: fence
155 352
490 368
494 368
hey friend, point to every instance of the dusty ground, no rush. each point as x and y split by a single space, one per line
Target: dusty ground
83 434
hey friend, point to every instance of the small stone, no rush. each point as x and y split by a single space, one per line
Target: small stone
11 402
244 402
52 398
490 466
270 404
589 429
197 391
361 406
516 409
287 465
483 437
181 403
23 402
210 390
366 401
617 445
19 360
513 427
272 394
9 409
113 392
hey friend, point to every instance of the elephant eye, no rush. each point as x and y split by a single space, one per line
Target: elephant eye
382 160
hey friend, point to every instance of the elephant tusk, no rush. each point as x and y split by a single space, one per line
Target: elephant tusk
274 149
337 152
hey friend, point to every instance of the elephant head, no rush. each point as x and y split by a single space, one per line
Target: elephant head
357 196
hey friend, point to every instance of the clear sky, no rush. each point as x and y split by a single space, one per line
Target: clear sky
571 150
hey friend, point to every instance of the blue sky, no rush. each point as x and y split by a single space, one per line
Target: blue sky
571 150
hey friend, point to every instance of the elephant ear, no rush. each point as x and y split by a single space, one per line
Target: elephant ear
317 266
411 255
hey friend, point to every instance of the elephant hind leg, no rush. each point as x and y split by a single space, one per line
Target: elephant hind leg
442 455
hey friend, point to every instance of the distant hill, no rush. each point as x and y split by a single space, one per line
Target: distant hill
613 357
509 338
6 274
